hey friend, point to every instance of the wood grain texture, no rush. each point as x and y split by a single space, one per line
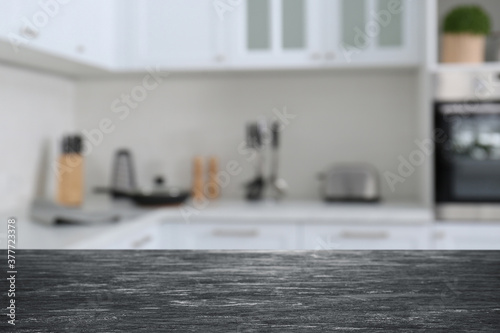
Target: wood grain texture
202 291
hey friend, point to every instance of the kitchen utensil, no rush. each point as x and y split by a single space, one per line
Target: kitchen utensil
357 182
169 197
123 177
256 186
159 184
278 186
124 185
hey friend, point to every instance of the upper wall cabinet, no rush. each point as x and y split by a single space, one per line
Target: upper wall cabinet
276 33
310 33
374 31
78 30
178 34
133 35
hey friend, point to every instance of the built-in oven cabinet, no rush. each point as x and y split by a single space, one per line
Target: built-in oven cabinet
466 236
467 155
365 237
235 235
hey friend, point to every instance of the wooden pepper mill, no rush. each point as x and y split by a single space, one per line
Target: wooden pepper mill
212 189
198 179
70 172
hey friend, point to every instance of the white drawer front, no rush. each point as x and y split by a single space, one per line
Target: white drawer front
324 237
230 236
139 239
466 237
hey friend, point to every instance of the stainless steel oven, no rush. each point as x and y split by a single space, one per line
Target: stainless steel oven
467 149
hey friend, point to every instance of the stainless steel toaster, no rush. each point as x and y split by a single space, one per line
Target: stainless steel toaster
357 182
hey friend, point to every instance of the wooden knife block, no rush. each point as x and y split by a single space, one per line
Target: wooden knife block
70 180
205 190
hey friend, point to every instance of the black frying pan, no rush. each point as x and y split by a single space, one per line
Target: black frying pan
148 199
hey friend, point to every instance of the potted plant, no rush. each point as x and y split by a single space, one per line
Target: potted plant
465 30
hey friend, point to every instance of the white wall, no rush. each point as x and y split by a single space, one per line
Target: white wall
36 109
342 116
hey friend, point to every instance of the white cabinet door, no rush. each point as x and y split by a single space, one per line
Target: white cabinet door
77 30
364 32
337 237
142 239
180 34
276 33
93 37
129 237
230 236
472 236
20 21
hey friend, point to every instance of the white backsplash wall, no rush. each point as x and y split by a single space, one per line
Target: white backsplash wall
341 116
36 109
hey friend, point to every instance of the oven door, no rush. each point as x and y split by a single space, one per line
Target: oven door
467 163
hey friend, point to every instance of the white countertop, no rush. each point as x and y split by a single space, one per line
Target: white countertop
33 235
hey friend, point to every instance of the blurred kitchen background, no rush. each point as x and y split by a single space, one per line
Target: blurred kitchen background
262 124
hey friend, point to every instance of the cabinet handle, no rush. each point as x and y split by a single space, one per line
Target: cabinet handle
220 58
244 233
80 49
28 32
438 235
141 242
364 235
330 55
316 56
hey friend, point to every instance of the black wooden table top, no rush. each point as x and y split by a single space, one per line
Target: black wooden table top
202 291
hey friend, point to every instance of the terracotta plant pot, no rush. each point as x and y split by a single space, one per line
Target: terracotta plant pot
463 48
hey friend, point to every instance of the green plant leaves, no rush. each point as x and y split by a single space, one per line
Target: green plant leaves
467 19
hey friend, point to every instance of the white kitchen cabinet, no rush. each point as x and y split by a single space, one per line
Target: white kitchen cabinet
277 33
470 236
134 35
256 235
93 36
76 30
147 239
312 33
373 31
180 34
16 19
362 237
139 236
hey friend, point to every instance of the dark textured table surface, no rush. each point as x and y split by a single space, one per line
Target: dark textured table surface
200 291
